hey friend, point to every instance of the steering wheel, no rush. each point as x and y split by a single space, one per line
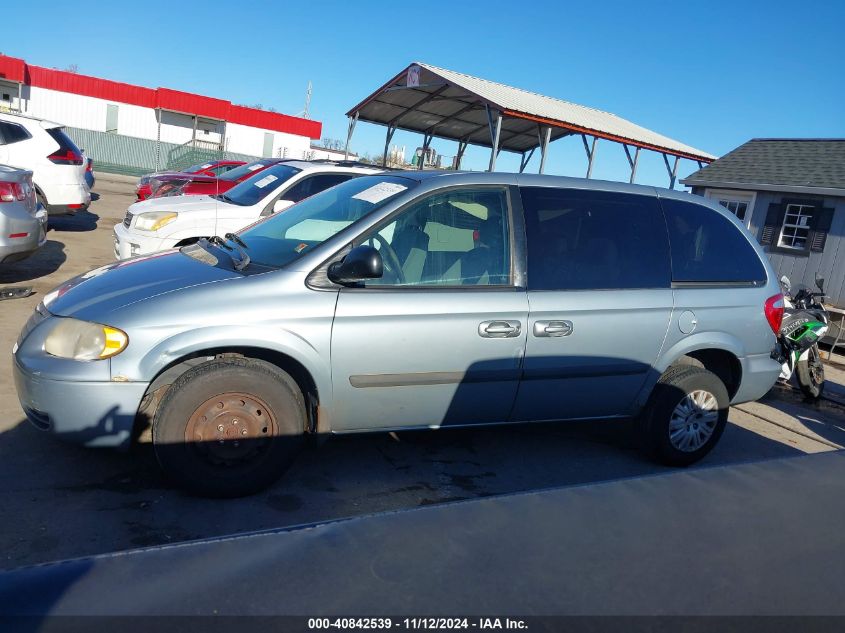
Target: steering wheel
393 266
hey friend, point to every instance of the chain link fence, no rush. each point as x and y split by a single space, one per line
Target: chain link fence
119 154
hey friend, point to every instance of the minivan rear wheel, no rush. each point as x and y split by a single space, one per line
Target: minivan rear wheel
229 427
686 415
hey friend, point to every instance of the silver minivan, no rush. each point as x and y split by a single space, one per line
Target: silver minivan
409 300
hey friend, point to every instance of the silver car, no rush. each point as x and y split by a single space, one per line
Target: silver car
23 222
412 300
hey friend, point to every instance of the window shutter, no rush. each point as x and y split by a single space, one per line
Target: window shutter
822 221
774 222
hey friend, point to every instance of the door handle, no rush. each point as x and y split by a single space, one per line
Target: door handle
499 329
553 328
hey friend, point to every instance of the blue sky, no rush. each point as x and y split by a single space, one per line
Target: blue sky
710 74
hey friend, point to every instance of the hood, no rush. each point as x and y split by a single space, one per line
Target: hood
182 175
96 293
180 204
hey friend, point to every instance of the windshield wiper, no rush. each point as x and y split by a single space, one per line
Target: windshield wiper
216 240
236 239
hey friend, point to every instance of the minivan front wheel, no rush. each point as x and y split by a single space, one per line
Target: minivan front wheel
229 427
686 415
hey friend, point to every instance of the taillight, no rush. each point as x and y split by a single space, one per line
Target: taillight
65 157
90 165
774 312
11 191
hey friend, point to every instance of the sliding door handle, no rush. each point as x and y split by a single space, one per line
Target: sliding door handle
499 329
553 328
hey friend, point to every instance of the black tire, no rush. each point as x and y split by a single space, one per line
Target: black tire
670 391
207 460
810 374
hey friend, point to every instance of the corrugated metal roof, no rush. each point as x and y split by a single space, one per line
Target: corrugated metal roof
452 105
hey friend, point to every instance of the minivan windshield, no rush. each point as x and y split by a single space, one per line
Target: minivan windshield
237 173
282 238
262 184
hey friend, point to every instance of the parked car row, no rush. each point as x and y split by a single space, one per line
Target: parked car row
41 171
250 192
174 182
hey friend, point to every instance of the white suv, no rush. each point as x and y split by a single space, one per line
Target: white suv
157 224
57 164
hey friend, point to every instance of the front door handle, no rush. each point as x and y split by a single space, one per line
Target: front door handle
553 328
499 329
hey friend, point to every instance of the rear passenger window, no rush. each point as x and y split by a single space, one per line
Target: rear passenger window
12 133
707 247
582 240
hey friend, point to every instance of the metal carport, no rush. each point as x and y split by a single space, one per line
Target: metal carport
442 103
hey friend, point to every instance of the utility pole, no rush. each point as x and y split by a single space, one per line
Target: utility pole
304 113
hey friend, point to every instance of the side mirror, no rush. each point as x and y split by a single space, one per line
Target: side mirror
362 262
785 283
820 282
281 205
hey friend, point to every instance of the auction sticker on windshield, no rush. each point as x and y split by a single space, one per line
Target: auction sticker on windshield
265 181
255 166
379 192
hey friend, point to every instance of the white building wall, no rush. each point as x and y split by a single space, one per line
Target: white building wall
250 140
90 113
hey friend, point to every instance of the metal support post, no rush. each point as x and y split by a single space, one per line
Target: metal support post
523 163
387 138
672 171
591 153
427 138
632 161
462 146
194 133
351 128
544 147
158 138
495 132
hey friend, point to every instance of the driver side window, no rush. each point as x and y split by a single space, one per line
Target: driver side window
459 237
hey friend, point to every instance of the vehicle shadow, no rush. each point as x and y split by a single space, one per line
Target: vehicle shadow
77 223
43 262
128 502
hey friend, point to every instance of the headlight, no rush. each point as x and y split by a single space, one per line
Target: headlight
82 340
154 221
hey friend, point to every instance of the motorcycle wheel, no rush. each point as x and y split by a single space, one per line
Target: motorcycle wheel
810 374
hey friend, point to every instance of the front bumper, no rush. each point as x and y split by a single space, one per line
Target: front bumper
88 413
128 243
16 249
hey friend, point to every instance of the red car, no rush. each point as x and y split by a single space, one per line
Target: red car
200 184
211 169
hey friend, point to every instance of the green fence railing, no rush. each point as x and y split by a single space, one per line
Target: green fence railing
119 154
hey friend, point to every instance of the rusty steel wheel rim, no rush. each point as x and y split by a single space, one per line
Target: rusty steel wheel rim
231 428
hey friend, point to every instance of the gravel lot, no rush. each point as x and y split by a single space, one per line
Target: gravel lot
62 501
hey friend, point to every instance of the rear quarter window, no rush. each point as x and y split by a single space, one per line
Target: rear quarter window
12 133
707 247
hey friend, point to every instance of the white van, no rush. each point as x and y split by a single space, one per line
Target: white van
57 164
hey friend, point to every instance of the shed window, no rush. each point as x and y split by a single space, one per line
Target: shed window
796 226
738 207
